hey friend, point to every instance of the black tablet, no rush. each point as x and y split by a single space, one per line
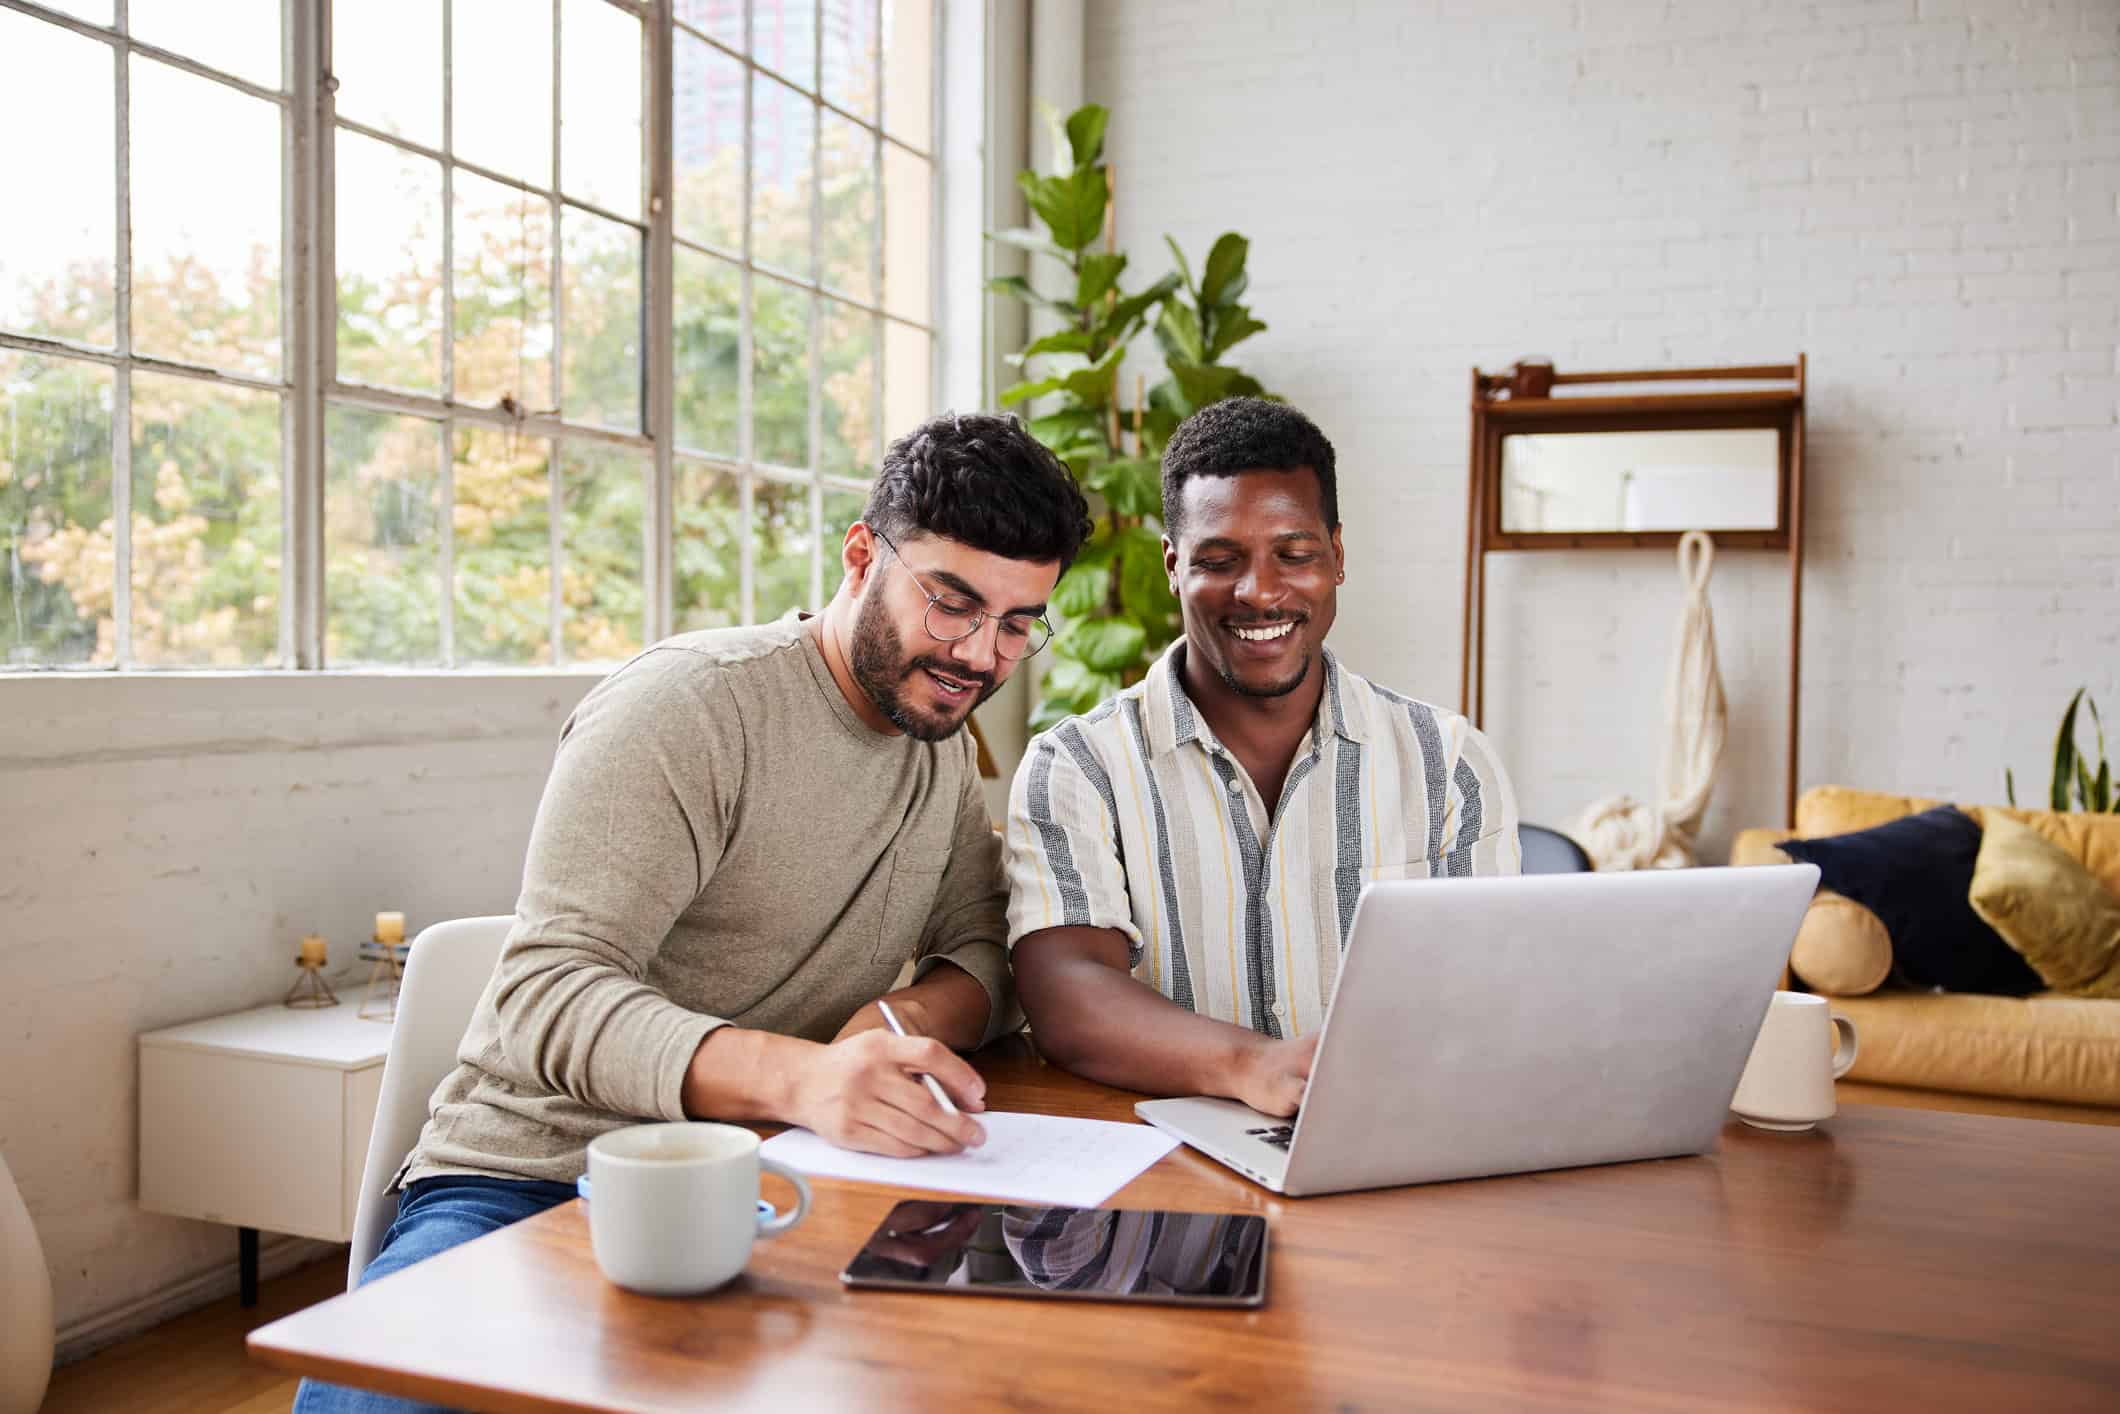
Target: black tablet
1086 1254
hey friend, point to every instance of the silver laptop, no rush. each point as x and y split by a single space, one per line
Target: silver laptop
1488 1026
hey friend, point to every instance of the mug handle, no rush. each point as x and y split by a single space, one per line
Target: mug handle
1844 1048
771 1226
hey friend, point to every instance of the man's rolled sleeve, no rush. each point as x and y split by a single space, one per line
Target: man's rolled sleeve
1064 864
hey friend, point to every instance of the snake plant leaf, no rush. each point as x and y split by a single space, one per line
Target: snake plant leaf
1225 262
2064 756
1085 133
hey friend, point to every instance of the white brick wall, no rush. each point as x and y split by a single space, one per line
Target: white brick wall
1923 196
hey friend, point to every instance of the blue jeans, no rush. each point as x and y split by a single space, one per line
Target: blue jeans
433 1216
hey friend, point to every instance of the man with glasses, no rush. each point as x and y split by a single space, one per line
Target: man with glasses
746 835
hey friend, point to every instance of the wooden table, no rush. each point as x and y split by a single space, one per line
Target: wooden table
1891 1259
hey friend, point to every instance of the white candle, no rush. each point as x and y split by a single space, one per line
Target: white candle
390 927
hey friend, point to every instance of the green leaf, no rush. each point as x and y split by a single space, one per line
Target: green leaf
1178 331
1081 591
1202 384
1085 132
1067 341
1108 645
1067 427
1132 486
1019 288
2064 756
1184 270
1025 238
1037 388
2085 787
1071 206
2009 784
1232 329
1224 264
1118 321
1144 586
2102 789
1099 273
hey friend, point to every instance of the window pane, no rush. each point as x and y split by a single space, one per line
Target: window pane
387 58
782 537
784 38
206 234
383 534
96 12
706 98
780 374
600 78
908 389
240 37
908 195
503 294
601 271
56 566
503 589
707 346
55 270
501 108
847 162
908 70
602 592
783 131
205 523
706 548
849 58
716 19
388 249
848 425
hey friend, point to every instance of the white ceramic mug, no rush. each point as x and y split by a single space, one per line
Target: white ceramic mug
1788 1082
674 1208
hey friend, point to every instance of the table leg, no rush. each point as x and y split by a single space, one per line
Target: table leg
247 1250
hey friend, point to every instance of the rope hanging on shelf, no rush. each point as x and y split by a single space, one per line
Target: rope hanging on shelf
1620 832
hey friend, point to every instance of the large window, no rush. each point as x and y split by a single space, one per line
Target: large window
394 379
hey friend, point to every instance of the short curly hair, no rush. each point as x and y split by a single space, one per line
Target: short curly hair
1245 434
981 480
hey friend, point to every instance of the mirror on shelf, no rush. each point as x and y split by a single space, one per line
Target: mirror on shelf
1586 482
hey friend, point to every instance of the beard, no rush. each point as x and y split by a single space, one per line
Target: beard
1272 689
880 666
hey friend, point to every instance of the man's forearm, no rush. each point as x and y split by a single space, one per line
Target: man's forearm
741 1074
948 1004
1101 1023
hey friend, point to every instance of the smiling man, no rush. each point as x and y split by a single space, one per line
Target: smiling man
746 834
1184 861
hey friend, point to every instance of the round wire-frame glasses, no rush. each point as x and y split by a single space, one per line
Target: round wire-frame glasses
953 617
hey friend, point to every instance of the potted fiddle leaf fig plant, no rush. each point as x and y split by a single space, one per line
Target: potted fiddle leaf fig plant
1114 608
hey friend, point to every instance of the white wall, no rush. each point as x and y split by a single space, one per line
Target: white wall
164 841
1920 194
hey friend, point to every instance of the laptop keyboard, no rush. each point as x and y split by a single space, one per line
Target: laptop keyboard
1277 1135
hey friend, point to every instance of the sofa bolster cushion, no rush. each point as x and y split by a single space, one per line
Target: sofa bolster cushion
1842 949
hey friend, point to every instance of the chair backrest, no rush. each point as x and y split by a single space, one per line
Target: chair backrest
446 970
1551 852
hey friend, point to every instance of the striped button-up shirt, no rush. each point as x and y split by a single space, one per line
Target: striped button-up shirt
1136 818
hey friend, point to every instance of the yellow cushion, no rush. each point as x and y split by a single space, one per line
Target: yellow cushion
2048 907
2041 1047
1842 949
2091 840
1842 810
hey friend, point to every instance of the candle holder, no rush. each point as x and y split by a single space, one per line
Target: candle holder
310 990
384 978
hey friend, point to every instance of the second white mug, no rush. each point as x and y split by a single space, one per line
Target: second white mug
1788 1081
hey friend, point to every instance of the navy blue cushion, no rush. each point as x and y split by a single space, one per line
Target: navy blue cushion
1915 873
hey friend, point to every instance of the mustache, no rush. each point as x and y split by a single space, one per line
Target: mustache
980 680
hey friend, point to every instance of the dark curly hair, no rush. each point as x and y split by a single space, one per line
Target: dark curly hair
982 480
1245 434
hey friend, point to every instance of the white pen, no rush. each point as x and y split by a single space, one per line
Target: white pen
942 1097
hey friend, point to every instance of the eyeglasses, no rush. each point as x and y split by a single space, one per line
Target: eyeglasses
953 617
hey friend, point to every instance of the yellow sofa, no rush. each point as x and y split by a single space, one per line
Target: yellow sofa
2046 1054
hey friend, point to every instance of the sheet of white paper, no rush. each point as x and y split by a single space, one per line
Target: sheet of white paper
1074 1163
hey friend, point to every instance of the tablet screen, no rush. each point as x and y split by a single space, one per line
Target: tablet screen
1097 1254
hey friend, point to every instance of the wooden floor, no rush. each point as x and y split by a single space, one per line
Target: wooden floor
196 1363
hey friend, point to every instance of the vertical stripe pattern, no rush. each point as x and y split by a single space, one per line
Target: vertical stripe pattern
1193 871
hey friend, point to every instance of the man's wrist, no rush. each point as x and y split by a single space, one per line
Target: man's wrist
742 1074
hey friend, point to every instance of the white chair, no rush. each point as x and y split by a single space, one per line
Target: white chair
25 1305
444 976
